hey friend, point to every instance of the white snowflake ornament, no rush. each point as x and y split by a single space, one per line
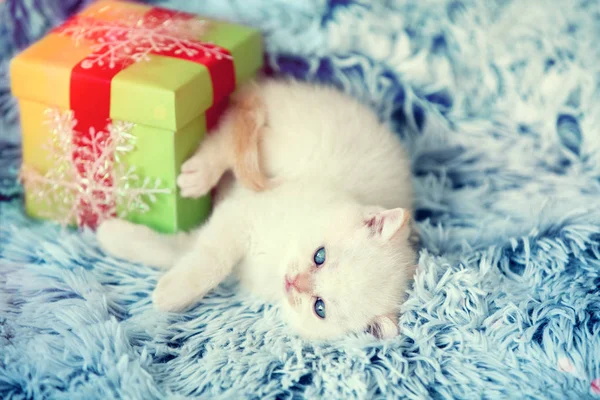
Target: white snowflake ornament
89 181
132 38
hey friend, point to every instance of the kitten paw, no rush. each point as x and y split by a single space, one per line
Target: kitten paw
175 293
188 282
197 177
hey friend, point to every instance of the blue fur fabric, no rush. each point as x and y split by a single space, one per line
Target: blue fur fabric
498 102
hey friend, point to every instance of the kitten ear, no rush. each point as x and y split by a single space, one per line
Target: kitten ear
387 223
384 327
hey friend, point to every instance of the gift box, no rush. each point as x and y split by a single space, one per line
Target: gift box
114 101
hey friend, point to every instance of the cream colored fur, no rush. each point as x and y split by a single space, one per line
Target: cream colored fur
333 177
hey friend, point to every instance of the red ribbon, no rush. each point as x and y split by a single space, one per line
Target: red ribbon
90 99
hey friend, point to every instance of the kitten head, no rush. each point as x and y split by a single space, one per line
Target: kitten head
349 273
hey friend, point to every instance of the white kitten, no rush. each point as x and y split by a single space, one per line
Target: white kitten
318 217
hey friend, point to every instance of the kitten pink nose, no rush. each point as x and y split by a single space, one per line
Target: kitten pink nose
301 282
288 284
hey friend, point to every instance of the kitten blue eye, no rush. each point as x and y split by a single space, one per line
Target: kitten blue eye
320 308
319 256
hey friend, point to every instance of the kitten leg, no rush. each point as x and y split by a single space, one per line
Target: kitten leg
202 171
220 244
234 146
139 243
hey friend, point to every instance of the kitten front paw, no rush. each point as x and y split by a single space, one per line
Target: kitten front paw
197 177
174 293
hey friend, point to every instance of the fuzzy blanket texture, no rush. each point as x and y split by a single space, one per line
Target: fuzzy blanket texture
498 103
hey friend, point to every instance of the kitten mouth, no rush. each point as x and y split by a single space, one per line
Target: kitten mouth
293 300
290 289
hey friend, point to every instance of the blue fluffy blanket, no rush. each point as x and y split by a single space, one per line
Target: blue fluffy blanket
498 102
